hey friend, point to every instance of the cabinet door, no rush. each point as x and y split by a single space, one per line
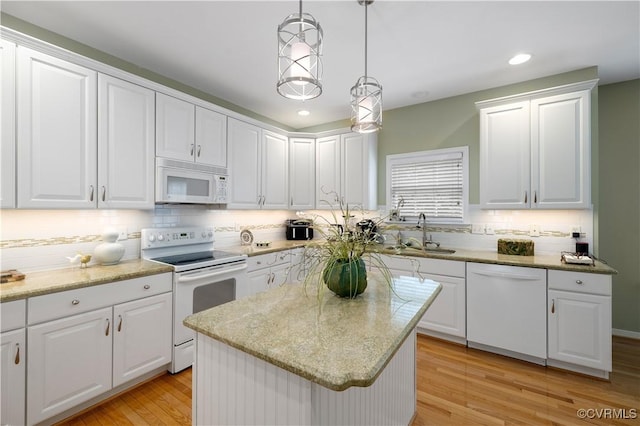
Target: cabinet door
561 158
302 173
56 132
126 144
7 126
69 362
275 171
447 314
244 165
279 275
258 280
12 381
358 170
328 172
505 157
580 329
142 337
211 137
175 128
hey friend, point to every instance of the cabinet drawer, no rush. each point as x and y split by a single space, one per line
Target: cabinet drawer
451 268
267 260
13 314
581 282
59 305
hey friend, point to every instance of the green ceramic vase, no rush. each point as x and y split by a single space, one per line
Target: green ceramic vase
346 278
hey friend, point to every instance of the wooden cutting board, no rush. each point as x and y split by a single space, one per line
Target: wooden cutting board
11 275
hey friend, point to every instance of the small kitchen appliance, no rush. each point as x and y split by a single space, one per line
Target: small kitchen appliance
190 183
202 278
299 229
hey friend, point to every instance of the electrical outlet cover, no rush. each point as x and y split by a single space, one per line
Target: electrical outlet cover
477 228
489 229
534 230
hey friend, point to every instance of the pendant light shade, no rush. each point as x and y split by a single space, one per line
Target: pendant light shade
366 94
299 57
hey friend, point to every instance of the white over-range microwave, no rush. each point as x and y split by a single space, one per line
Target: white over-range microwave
190 183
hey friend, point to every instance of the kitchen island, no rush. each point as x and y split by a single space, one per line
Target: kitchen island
287 356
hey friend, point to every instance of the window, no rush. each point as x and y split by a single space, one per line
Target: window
431 182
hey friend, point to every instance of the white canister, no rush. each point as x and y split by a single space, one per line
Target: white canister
110 252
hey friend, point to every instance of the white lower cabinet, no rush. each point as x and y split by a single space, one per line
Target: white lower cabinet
12 380
446 317
579 321
69 362
268 271
118 332
141 337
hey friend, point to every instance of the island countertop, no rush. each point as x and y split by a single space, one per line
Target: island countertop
336 343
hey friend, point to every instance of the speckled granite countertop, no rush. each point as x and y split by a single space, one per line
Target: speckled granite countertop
44 282
463 255
337 343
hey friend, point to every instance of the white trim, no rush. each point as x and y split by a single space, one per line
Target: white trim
527 96
626 333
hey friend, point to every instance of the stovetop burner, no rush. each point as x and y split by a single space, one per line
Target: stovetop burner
189 258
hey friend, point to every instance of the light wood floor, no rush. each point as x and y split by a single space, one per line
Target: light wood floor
456 386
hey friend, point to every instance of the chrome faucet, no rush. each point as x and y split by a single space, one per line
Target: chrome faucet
425 242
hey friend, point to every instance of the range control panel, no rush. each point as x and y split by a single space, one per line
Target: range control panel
171 237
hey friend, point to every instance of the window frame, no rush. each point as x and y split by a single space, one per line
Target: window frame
429 155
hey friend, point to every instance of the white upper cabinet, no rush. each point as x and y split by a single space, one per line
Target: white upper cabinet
188 132
346 168
126 142
505 156
175 128
56 132
7 125
302 173
535 149
561 160
258 164
211 137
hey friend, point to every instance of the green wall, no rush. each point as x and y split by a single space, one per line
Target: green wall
619 210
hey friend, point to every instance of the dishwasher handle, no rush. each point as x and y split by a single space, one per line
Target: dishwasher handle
196 277
507 275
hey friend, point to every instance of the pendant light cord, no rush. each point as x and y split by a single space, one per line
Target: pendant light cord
366 6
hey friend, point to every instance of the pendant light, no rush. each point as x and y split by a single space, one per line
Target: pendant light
299 57
366 95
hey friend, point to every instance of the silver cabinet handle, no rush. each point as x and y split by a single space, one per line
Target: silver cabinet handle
91 194
553 306
579 282
106 332
535 197
525 197
75 302
104 193
120 323
191 152
146 287
16 360
199 149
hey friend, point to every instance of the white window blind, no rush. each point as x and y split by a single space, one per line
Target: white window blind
430 182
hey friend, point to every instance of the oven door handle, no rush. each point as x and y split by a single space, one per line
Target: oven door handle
196 277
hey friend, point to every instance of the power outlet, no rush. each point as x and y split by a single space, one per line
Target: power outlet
534 230
122 234
489 229
477 228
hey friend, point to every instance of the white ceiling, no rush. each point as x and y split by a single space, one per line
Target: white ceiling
441 48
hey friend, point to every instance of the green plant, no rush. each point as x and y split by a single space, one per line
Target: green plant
341 241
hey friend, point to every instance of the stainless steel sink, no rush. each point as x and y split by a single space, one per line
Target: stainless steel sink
439 250
433 250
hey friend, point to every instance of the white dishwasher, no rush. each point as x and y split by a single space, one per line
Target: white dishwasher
507 310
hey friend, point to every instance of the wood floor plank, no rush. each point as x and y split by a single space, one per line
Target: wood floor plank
455 386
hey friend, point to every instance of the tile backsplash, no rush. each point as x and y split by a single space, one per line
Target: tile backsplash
33 240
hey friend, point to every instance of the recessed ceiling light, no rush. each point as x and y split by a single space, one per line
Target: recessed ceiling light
303 112
520 58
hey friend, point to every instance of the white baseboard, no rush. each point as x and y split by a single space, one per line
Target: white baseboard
626 333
